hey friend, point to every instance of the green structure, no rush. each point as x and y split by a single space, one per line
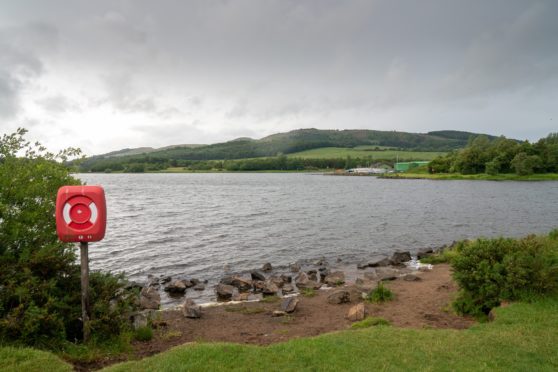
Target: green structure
405 166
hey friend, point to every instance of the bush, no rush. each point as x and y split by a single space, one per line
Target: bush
40 301
491 270
143 334
380 294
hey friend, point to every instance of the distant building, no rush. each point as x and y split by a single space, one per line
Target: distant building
405 166
368 170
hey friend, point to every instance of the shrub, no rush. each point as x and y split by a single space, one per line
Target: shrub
143 334
380 294
39 279
491 270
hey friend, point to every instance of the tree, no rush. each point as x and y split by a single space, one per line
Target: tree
525 164
39 278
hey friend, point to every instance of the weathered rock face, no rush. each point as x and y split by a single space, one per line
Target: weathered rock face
340 296
241 284
176 287
257 275
425 252
356 313
400 257
335 278
379 261
191 310
267 267
150 298
224 291
288 304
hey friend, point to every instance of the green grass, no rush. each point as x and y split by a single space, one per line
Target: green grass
380 294
370 322
522 338
27 359
442 257
364 152
485 177
246 310
308 292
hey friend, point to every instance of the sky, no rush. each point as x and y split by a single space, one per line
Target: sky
110 74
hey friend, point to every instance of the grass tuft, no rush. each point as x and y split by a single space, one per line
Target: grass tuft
308 292
143 334
370 322
380 294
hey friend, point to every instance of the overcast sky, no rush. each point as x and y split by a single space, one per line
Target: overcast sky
104 75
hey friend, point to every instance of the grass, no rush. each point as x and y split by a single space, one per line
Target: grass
380 294
308 292
364 152
270 299
246 310
484 177
13 359
370 322
523 337
143 333
442 257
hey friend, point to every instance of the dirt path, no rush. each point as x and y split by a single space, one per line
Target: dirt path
417 304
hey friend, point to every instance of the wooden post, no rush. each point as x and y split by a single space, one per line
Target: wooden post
83 247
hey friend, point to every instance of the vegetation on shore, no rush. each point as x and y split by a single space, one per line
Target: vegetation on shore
472 177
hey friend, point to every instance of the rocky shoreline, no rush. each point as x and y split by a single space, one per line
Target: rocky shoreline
346 284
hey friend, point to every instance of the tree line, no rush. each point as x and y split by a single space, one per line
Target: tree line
501 155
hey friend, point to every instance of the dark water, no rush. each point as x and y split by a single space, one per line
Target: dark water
202 225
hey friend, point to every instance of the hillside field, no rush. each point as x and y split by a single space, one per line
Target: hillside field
364 152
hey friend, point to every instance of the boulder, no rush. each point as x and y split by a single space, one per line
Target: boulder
277 280
288 304
379 261
313 275
301 279
270 288
259 285
193 282
165 279
339 297
176 287
243 285
257 275
142 318
362 265
227 280
295 268
286 278
199 287
321 262
425 252
411 278
224 291
267 267
247 296
278 313
324 274
287 288
356 313
191 310
313 285
335 278
400 257
150 298
387 278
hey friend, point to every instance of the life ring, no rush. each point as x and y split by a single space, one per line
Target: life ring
80 213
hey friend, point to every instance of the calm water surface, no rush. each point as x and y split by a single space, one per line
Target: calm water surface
203 225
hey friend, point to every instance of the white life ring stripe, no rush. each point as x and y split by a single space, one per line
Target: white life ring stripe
92 208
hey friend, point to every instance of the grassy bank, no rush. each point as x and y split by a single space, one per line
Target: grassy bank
523 337
27 359
483 176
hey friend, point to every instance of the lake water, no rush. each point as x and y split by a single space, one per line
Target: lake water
205 225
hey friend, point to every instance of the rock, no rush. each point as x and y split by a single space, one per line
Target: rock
362 265
400 257
191 310
365 285
150 298
295 268
257 275
313 276
335 279
301 279
241 284
141 318
323 268
270 288
194 282
165 279
286 278
312 284
387 273
379 261
278 313
199 287
425 252
339 297
224 291
227 280
356 293
258 285
288 304
312 271
287 288
241 296
176 287
133 285
277 280
371 275
321 262
324 274
267 267
387 278
356 313
411 278
338 260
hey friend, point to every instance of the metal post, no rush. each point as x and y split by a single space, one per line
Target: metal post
83 247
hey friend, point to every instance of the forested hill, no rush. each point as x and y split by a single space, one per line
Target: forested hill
290 142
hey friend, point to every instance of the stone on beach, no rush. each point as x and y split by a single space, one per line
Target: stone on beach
339 297
257 275
335 278
150 298
356 313
267 267
191 310
176 287
400 257
224 291
243 285
379 261
288 304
